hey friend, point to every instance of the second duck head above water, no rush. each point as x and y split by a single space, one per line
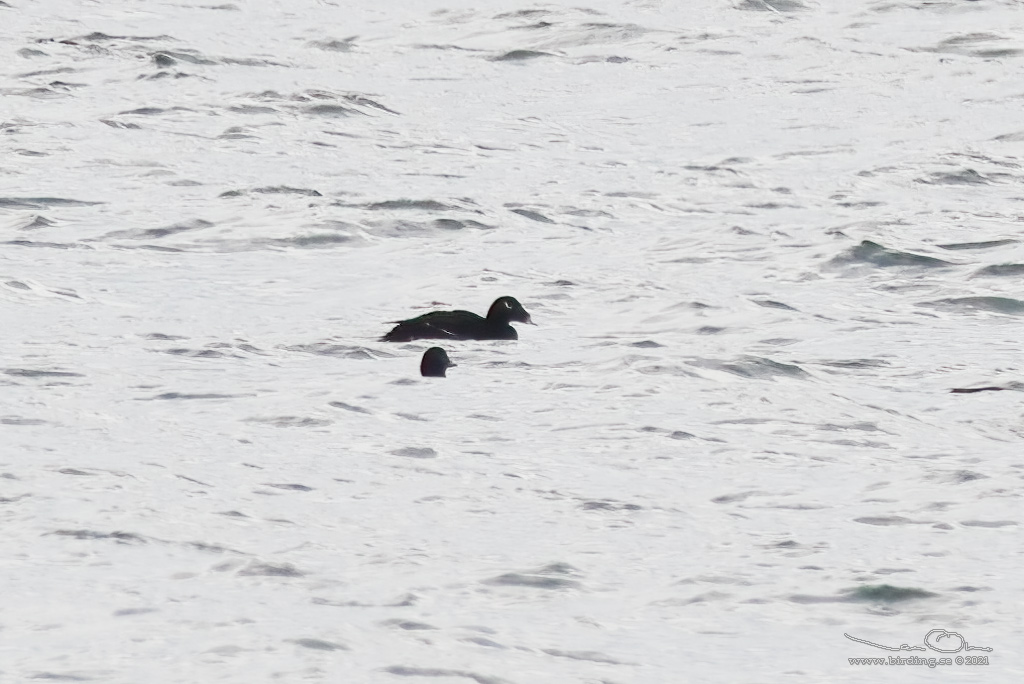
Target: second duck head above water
435 362
463 325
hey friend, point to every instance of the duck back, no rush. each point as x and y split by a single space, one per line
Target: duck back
450 325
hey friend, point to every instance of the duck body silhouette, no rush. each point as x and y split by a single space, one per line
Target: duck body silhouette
435 362
463 325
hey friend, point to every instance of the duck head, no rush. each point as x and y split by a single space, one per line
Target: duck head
508 309
435 362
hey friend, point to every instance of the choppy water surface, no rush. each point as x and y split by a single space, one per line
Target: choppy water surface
762 241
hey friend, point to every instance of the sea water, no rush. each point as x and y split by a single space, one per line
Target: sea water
762 241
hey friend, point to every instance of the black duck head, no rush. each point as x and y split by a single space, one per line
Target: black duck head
435 362
508 309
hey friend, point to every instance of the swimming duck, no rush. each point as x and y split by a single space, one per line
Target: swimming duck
463 325
435 362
